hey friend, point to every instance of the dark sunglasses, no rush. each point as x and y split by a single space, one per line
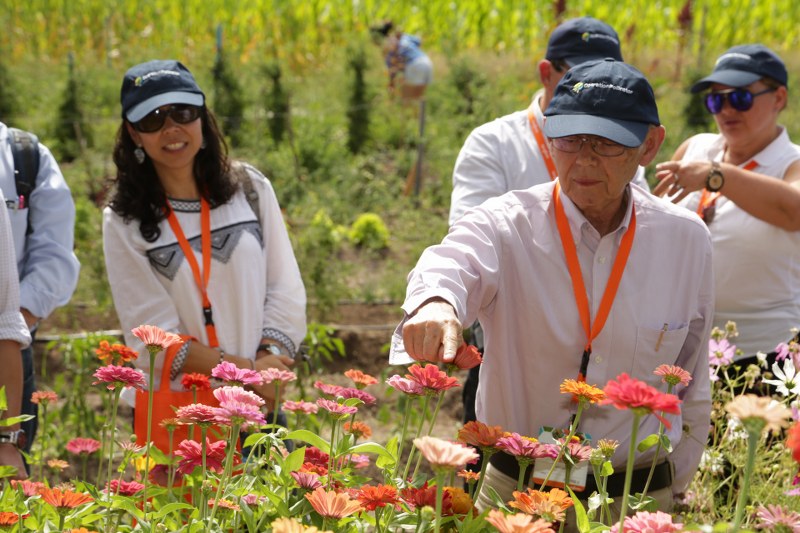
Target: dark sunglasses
180 113
740 99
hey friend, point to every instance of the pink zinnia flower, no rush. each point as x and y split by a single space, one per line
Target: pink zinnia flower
720 353
784 350
646 522
44 397
337 410
233 375
29 488
405 385
81 445
196 413
301 406
123 488
326 388
360 379
156 338
192 455
276 374
578 452
244 414
238 394
630 393
350 392
307 480
431 378
253 499
119 376
467 357
673 375
357 460
520 446
777 518
445 454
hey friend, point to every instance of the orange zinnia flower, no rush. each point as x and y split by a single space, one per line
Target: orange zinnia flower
57 464
551 507
372 497
9 518
287 525
432 379
582 391
115 353
469 476
479 434
359 429
196 380
460 502
517 523
360 379
793 441
330 504
44 397
467 357
65 499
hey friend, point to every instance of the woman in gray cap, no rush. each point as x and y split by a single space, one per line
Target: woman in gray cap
745 183
195 243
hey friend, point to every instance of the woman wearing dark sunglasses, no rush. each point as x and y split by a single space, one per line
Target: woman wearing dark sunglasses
188 246
745 183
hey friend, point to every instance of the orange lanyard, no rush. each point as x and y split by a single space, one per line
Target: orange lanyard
205 248
708 199
579 288
537 134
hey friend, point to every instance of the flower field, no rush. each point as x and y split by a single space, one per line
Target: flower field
240 471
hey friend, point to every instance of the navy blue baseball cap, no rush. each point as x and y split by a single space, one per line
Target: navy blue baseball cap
744 64
583 39
148 86
607 98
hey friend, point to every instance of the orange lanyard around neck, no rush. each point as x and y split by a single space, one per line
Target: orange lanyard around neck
537 134
205 248
578 287
709 199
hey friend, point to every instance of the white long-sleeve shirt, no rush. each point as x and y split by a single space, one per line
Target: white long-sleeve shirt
12 325
255 285
48 268
501 156
503 264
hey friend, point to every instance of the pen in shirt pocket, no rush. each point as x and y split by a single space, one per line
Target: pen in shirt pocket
661 336
17 203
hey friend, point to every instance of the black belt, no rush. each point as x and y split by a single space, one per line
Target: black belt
615 483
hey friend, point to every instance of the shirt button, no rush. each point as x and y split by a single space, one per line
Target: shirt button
599 358
602 260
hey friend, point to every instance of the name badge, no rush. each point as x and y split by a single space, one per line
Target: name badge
541 467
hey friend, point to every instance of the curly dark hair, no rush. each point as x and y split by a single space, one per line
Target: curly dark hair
138 193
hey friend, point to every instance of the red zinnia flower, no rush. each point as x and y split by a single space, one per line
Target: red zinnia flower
630 393
316 456
467 357
156 338
81 445
372 496
123 488
418 497
196 380
360 379
119 376
431 378
793 441
192 454
66 499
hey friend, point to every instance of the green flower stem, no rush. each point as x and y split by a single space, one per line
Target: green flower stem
573 428
276 408
332 455
194 400
226 475
203 471
425 401
487 451
153 351
43 447
171 470
658 450
744 489
114 404
523 463
401 443
439 496
629 471
439 402
600 481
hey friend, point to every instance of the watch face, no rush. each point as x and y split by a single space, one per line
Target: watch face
715 181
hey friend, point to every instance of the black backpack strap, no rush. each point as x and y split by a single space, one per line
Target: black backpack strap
25 150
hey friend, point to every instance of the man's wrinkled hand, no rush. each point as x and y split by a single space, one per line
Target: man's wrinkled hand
433 332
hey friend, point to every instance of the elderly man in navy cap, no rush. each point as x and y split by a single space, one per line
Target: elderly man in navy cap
587 276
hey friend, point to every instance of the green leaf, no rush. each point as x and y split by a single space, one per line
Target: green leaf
385 462
666 444
170 508
606 470
7 471
372 447
580 513
294 460
648 443
310 438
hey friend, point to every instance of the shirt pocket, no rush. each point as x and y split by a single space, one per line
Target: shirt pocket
656 347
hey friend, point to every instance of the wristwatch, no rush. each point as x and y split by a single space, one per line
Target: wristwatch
715 179
271 348
18 438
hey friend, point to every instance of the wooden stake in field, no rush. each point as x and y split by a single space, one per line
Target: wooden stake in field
414 178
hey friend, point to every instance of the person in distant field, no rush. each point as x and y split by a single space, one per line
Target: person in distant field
561 276
745 183
42 227
405 60
510 153
180 208
14 335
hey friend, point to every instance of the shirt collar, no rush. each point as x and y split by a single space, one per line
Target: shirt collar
577 221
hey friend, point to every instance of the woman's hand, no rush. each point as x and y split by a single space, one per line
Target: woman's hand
281 362
677 179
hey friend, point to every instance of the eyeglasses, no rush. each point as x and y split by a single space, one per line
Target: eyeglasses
740 99
180 113
600 146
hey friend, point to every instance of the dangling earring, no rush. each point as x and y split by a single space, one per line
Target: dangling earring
139 154
203 144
